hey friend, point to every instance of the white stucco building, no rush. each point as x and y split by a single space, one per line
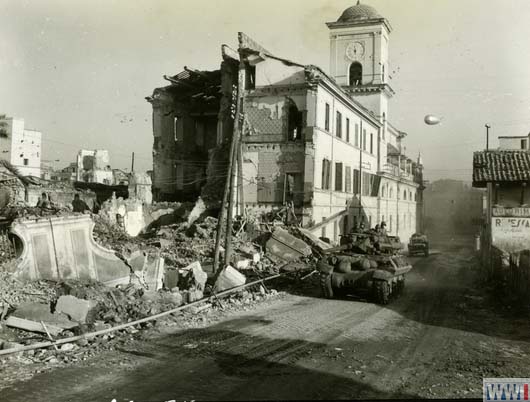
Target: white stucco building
21 146
94 167
321 141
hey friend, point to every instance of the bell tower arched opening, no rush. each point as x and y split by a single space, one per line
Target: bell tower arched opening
356 74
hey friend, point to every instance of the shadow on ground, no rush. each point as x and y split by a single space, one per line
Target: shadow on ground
214 363
445 290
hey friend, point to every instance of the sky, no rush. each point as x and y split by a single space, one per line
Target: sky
79 70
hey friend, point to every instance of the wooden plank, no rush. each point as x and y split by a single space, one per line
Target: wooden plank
33 326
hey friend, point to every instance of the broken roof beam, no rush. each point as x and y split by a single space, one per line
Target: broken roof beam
247 43
196 72
229 53
178 82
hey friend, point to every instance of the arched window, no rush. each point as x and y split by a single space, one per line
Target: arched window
391 194
356 74
405 195
383 73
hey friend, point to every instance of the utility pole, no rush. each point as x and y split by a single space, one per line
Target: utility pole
487 136
238 129
361 172
228 194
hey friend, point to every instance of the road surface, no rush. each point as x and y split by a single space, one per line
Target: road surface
437 340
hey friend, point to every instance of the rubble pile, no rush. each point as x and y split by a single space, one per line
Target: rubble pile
14 292
114 237
182 237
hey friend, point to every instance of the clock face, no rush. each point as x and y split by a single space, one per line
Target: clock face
355 50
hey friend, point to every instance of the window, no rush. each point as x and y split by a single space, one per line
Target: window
356 74
338 176
356 135
294 130
371 143
390 223
326 122
179 129
391 193
367 183
347 130
26 162
338 125
364 139
383 73
347 179
356 181
250 76
523 144
384 121
326 174
415 198
405 195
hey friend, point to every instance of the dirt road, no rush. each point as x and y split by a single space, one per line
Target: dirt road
438 340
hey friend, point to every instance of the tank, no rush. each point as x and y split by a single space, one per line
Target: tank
365 264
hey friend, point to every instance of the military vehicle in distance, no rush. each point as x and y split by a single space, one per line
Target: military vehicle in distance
418 244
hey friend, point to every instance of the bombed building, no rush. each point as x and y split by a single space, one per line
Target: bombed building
320 142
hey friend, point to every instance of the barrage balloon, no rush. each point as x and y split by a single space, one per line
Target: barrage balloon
432 120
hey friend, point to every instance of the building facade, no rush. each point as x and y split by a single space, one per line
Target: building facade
21 146
94 167
505 175
322 142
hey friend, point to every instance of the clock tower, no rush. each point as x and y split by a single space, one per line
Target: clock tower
359 57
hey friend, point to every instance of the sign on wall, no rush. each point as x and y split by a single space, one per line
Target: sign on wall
511 212
511 233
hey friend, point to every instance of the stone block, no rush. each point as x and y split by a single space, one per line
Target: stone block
77 309
243 264
41 312
199 275
228 279
286 246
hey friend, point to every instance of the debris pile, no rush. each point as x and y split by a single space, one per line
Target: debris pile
182 238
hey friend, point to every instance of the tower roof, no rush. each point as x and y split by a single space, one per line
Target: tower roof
359 12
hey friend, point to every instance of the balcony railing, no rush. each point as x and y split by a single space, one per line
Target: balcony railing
394 170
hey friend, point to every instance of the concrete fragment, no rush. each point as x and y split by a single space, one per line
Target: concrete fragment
77 309
171 278
198 309
33 326
199 276
149 269
67 347
287 247
314 239
173 298
100 326
197 211
229 278
243 264
41 312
